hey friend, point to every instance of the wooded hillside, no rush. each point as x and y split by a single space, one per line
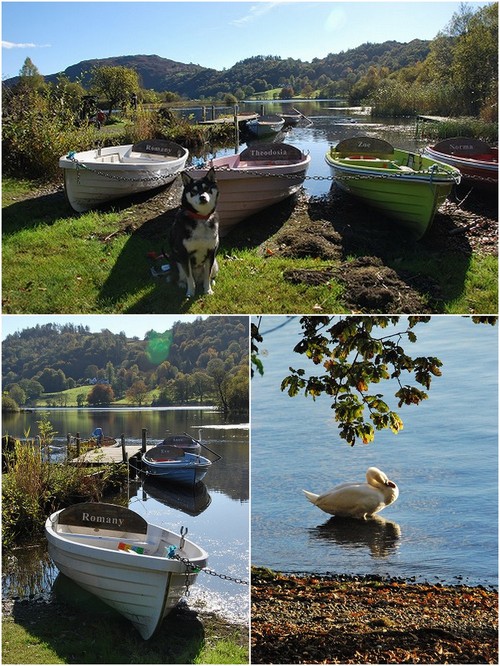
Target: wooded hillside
258 73
187 362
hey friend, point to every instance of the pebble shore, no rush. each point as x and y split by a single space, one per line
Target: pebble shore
370 620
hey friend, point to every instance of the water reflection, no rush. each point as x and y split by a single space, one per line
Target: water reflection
380 536
27 572
192 500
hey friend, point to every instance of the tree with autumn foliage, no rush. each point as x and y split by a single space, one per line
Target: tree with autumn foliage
101 394
353 353
354 357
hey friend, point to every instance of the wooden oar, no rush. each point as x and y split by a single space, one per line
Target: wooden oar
303 116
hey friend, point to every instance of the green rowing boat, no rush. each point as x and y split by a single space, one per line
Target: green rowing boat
407 187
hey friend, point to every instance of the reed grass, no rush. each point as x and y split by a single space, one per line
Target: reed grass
33 487
469 127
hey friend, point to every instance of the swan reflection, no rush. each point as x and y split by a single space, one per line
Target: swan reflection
380 536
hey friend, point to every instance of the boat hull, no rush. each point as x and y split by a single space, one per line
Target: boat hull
247 188
143 588
96 177
409 195
189 469
265 125
480 172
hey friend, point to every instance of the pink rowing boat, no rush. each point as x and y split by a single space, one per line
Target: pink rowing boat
260 176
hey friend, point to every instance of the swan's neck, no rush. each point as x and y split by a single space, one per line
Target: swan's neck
390 494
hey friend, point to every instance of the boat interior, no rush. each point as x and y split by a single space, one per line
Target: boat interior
156 542
133 157
377 163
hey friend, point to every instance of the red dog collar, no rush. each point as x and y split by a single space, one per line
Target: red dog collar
196 216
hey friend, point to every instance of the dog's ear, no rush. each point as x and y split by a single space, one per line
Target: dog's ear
211 175
186 178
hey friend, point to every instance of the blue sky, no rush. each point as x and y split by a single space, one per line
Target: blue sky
213 34
131 325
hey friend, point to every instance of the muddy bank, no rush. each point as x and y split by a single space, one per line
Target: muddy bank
369 620
368 251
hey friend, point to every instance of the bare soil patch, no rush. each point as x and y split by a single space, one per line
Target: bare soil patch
337 228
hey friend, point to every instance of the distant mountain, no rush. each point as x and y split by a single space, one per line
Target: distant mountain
155 73
259 72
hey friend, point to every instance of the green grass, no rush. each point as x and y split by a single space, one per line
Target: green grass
58 262
47 635
68 398
274 93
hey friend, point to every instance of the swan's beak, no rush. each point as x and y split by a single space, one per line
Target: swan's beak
391 484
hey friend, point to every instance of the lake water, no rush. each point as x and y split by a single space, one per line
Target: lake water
216 513
330 124
445 462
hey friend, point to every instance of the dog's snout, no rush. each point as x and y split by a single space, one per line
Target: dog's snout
204 197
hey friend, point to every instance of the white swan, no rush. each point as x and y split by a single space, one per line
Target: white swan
358 500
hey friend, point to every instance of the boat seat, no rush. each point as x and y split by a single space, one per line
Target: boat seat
67 532
114 157
145 158
257 164
150 546
379 162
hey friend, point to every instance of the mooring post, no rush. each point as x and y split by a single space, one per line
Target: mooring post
213 112
68 442
236 130
203 113
77 444
144 433
124 452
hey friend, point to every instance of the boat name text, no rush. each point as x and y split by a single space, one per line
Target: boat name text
106 520
255 152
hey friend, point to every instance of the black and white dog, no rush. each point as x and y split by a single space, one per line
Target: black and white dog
194 236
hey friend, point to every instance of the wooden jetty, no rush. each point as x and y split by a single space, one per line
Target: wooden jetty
105 455
240 119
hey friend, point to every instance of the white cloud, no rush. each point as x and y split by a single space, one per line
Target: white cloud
23 45
254 13
336 20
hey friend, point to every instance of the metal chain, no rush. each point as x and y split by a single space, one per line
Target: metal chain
265 174
210 572
353 176
150 179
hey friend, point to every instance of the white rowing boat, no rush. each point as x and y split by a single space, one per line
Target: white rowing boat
264 126
139 569
95 177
